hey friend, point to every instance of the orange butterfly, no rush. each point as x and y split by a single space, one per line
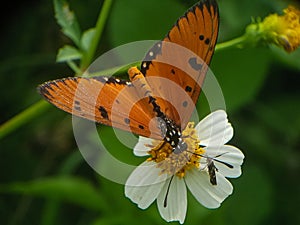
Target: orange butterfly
149 104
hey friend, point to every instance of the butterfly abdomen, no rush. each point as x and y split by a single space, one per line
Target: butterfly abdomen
137 78
170 131
143 89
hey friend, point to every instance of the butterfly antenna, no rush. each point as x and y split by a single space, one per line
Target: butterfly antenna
224 163
166 197
214 158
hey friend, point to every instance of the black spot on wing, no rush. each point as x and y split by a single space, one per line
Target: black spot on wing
103 112
193 63
127 121
76 102
76 107
141 127
207 41
112 80
152 53
188 89
101 79
184 104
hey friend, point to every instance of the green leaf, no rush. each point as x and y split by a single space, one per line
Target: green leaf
86 39
241 73
71 189
67 20
277 115
290 59
68 53
252 200
134 20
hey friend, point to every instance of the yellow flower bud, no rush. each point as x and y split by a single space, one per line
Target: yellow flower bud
284 30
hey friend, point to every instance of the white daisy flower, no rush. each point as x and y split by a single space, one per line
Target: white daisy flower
202 167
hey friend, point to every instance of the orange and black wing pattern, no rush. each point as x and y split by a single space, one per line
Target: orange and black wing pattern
177 65
183 58
105 100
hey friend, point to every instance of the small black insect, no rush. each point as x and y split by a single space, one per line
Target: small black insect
212 169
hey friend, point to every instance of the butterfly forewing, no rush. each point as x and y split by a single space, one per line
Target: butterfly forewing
104 100
174 71
183 58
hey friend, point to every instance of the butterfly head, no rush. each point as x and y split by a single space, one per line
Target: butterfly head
172 135
174 155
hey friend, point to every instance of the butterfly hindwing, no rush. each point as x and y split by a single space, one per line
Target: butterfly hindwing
183 58
105 100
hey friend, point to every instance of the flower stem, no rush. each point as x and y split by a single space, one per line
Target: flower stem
236 42
88 57
22 118
74 67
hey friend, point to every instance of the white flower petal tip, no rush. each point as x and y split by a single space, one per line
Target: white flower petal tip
143 146
144 184
214 129
210 196
172 200
227 159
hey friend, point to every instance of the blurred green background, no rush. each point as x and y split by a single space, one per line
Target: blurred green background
44 179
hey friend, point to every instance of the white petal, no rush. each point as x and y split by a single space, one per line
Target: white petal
214 129
144 184
175 209
141 148
210 196
228 154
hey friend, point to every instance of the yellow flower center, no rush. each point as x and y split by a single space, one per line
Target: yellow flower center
178 163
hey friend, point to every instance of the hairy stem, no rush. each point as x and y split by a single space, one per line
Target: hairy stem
236 42
88 57
24 117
